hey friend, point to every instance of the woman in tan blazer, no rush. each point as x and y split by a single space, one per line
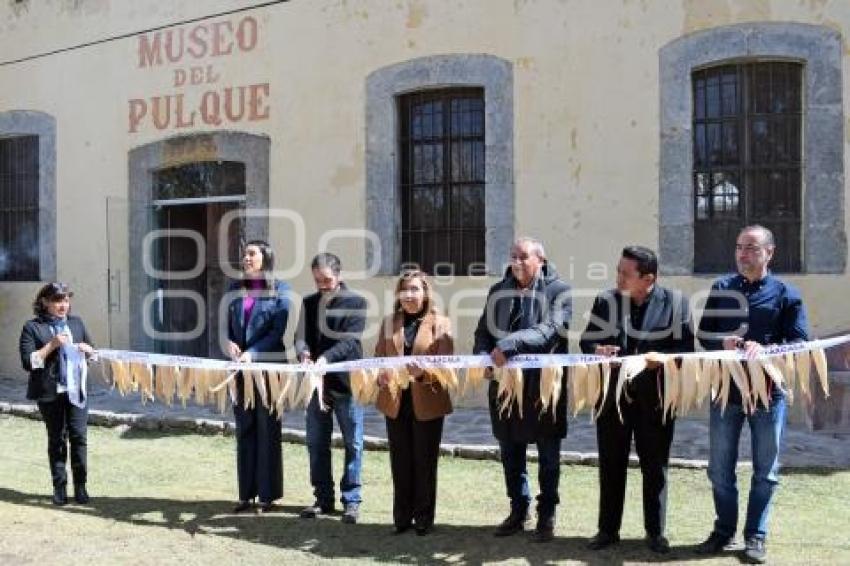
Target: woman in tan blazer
415 415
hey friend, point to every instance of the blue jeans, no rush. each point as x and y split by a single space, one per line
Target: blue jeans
766 428
513 456
349 417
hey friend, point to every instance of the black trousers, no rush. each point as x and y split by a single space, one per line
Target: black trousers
641 418
414 453
259 457
66 423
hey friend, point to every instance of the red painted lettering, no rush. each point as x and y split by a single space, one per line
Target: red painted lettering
138 109
220 44
149 50
246 34
210 108
258 109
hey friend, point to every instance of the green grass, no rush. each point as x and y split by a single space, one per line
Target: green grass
166 500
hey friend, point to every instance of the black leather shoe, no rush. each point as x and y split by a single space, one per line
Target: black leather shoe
315 510
242 506
755 551
658 544
602 540
60 495
266 506
401 529
544 531
351 513
81 496
517 521
717 543
422 530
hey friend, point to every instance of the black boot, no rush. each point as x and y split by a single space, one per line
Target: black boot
81 496
60 495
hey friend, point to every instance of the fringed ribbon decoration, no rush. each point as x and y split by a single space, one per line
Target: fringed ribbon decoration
688 378
550 389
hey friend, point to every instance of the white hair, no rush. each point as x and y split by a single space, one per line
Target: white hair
536 245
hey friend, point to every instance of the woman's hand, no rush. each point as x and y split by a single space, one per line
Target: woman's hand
233 351
415 370
244 357
85 348
58 341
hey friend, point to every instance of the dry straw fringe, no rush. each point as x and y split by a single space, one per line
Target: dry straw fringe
688 381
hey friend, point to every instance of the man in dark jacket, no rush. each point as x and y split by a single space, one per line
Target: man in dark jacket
329 329
637 317
527 312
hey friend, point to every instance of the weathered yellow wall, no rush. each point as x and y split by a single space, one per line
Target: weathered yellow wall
585 111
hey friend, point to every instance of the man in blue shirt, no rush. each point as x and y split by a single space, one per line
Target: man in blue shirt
747 311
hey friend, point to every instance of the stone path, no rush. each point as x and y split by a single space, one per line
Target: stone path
470 428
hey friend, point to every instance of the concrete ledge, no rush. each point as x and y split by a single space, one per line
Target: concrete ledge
131 421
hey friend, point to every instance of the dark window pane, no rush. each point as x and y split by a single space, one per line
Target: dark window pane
781 150
794 86
794 132
699 97
760 140
713 96
201 179
426 204
19 209
468 206
730 94
779 90
730 143
715 153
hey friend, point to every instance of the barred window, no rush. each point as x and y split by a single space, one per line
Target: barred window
442 180
19 207
747 129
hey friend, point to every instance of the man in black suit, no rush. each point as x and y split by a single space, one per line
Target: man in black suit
637 317
329 329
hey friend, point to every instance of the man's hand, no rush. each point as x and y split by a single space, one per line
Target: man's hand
607 350
732 342
752 349
245 358
233 351
498 357
304 357
653 360
383 378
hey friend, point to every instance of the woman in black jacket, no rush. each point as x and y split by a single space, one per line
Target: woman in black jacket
53 347
257 318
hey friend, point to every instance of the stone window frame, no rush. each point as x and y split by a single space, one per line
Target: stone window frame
253 150
35 123
819 49
383 209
